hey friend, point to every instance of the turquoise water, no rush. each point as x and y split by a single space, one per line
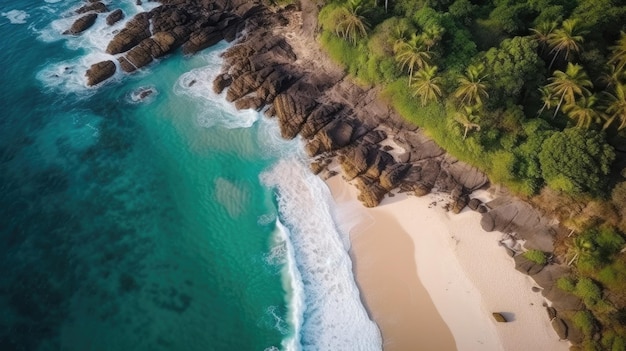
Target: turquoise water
155 224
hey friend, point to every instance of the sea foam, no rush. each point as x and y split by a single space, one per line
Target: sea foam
332 315
16 16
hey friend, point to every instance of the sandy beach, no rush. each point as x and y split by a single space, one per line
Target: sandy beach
432 279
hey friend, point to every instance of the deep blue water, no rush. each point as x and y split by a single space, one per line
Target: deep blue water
155 224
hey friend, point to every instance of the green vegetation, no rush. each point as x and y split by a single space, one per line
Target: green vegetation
536 256
532 92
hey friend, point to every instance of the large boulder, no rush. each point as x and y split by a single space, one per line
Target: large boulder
136 30
370 193
527 266
99 72
165 18
356 161
381 160
221 82
319 118
115 17
393 175
82 24
336 134
560 328
93 7
292 112
202 39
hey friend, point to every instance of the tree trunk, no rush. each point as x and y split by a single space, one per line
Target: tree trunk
559 105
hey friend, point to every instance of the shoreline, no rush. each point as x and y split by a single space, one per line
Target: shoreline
466 275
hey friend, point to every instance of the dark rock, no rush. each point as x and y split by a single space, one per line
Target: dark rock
499 317
319 118
370 193
249 102
421 189
487 222
136 30
535 289
292 111
474 203
82 24
563 300
459 204
393 175
202 39
221 82
560 328
165 18
375 137
356 161
115 17
470 177
138 57
574 334
527 266
380 162
482 209
94 6
99 72
551 312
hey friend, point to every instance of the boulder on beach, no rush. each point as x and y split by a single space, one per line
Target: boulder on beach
527 266
499 317
560 328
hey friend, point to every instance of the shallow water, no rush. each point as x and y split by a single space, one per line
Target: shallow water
154 224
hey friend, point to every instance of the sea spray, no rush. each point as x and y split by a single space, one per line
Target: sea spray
334 317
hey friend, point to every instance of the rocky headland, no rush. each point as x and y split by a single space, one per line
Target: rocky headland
275 66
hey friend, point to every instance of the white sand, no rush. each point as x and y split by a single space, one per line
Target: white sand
464 270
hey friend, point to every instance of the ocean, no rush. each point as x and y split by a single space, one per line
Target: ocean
172 222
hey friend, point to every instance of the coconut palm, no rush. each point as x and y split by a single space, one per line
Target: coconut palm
472 87
548 98
543 32
619 53
568 39
612 76
584 111
432 35
580 247
412 54
616 106
426 84
468 117
569 85
351 25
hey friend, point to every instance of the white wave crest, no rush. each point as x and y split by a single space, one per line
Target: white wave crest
216 111
334 317
16 16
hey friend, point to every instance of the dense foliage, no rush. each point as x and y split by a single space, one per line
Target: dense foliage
533 92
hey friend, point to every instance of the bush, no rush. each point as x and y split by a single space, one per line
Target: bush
585 321
536 256
566 284
588 291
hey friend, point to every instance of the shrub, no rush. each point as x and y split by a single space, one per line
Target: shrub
566 284
588 291
536 256
585 321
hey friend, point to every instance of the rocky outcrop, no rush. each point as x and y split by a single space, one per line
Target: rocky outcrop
96 6
115 17
527 266
99 72
82 24
136 30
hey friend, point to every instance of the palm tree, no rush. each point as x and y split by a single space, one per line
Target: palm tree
412 54
468 117
568 39
616 106
472 88
432 35
543 32
581 247
584 111
426 84
569 84
619 53
548 98
612 75
351 25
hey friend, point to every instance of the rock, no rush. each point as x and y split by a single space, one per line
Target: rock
82 24
470 177
499 317
136 30
375 137
94 6
202 39
574 334
99 72
138 57
393 175
421 189
487 222
527 266
115 17
370 193
356 161
165 18
317 167
551 312
563 300
482 209
381 160
319 118
292 111
459 204
249 102
221 82
560 328
548 276
474 203
335 135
